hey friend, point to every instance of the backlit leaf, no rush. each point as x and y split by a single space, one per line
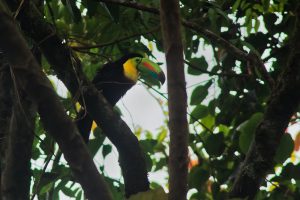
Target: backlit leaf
284 149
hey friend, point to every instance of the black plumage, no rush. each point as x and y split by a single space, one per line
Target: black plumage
112 83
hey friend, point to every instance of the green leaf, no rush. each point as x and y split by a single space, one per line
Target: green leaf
236 5
98 133
47 144
106 149
160 164
266 5
114 11
67 191
79 195
199 65
285 148
208 121
35 153
148 145
247 130
46 188
256 25
162 135
214 144
75 12
197 177
94 146
199 112
199 93
149 163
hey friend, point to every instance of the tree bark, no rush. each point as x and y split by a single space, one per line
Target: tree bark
68 69
33 82
283 103
16 176
170 20
5 111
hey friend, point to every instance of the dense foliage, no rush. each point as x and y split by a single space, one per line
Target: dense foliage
225 106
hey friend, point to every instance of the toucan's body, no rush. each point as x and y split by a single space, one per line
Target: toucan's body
114 79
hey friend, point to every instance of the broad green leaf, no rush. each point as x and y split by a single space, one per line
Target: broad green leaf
199 112
214 144
148 145
197 177
199 93
199 65
94 145
162 135
160 164
236 5
284 149
247 130
68 191
208 121
106 149
98 133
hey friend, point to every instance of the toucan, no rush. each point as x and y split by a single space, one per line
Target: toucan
114 79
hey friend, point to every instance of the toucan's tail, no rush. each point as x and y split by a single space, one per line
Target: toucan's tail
84 123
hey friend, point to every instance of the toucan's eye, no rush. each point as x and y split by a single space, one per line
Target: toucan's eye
137 59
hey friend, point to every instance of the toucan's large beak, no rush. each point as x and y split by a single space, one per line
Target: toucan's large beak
151 72
161 77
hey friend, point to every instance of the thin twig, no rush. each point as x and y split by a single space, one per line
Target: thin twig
115 41
215 73
36 188
132 4
18 9
51 13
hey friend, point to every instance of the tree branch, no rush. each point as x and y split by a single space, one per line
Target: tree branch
283 103
178 152
33 82
114 42
132 4
216 39
68 69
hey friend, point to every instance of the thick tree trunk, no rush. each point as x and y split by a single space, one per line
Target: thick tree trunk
284 102
178 125
5 111
33 82
16 176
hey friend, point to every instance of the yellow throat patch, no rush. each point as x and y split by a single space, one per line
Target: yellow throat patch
130 70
